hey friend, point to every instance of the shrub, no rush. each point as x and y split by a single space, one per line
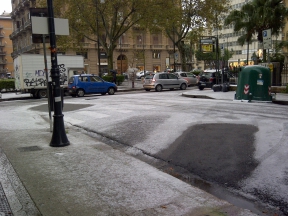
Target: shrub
286 90
109 78
7 84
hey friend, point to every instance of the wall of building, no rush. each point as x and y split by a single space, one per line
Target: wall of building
6 28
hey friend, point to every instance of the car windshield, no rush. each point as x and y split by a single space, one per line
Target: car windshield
149 77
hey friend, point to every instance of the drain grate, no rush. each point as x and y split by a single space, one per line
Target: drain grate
29 148
5 209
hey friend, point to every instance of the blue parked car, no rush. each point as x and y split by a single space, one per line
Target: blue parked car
79 85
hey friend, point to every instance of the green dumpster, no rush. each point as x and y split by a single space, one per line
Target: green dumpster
254 83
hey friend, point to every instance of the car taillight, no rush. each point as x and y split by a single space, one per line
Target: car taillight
73 87
211 79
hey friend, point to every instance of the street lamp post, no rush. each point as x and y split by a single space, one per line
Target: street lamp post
143 47
59 138
98 35
143 55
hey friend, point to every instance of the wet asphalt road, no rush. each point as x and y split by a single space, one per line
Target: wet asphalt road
221 153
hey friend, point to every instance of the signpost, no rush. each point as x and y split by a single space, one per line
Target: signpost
267 41
207 45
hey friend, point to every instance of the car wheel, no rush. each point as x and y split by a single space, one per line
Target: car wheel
201 87
111 91
183 86
147 89
80 93
158 88
42 93
103 93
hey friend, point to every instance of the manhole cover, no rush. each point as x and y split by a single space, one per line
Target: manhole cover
29 148
5 209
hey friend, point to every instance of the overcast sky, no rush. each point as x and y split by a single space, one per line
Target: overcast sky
5 5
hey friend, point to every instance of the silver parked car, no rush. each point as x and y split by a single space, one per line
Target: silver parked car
164 80
190 77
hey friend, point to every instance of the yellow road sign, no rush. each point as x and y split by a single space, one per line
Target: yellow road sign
207 47
271 67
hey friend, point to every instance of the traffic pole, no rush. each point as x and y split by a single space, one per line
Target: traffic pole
59 138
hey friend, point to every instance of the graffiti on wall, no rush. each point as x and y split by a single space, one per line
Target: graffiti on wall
38 78
63 75
35 82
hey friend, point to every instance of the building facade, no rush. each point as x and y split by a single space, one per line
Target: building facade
6 61
135 49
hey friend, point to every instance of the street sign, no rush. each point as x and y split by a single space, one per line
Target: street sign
207 47
40 26
267 39
209 41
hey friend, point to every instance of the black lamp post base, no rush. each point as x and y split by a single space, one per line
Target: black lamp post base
59 138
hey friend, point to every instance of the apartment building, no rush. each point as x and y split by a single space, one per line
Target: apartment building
228 40
6 61
135 49
285 36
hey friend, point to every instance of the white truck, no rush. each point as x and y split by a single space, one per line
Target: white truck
30 75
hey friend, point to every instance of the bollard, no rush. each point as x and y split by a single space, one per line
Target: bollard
250 97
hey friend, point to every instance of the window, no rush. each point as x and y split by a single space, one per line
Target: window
95 79
103 55
183 74
155 39
83 78
163 76
171 76
156 55
84 54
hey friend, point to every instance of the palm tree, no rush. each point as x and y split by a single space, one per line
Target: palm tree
256 16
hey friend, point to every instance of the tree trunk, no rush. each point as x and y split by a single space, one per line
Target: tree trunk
110 51
183 58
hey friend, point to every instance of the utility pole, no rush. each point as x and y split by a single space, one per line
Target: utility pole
59 138
98 42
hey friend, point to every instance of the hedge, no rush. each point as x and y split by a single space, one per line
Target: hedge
7 84
119 79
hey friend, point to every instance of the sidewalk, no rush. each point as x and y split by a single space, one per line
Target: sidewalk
88 177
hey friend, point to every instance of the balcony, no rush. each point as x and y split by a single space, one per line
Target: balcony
1 27
123 47
27 24
2 52
3 62
1 35
14 34
156 46
140 46
170 47
2 44
3 71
